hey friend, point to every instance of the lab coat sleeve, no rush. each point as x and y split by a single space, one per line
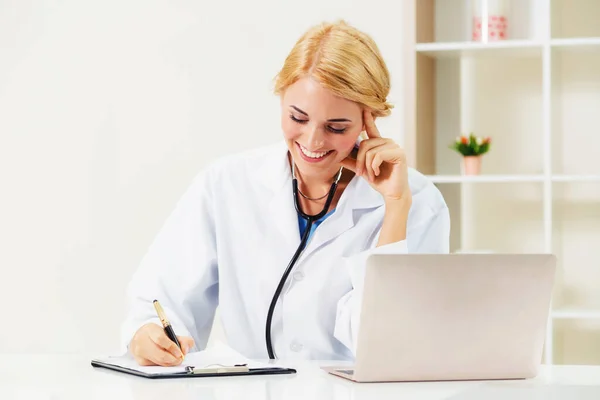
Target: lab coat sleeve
179 270
429 235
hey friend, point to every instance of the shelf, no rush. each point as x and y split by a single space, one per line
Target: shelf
511 178
576 178
576 44
485 178
507 48
575 313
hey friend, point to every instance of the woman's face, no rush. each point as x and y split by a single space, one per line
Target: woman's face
319 127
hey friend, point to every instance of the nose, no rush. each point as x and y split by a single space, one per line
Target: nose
315 139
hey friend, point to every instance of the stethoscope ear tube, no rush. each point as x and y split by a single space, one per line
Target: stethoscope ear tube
310 219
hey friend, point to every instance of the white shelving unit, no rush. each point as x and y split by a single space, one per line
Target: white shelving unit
537 94
485 178
512 178
575 313
514 48
581 43
575 178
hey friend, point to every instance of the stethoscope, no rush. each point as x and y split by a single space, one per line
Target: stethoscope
310 219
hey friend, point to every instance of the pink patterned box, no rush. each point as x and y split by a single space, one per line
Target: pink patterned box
497 28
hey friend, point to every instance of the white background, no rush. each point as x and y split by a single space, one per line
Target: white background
107 110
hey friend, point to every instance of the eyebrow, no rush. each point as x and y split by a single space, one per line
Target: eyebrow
329 120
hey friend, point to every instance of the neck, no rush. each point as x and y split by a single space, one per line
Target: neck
309 179
314 187
316 181
317 187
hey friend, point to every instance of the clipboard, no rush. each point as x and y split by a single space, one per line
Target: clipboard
218 360
197 372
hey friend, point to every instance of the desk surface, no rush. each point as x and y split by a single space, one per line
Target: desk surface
72 377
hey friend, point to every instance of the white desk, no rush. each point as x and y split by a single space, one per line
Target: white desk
72 377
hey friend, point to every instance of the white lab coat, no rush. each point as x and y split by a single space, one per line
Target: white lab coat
232 235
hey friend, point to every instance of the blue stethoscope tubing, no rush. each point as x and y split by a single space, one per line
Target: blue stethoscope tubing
310 219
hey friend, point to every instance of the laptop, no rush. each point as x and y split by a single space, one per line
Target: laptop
441 317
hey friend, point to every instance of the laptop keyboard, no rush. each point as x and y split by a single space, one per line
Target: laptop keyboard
346 371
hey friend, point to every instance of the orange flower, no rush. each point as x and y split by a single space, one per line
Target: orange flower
487 140
464 140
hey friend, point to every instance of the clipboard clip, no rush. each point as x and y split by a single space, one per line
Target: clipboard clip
217 369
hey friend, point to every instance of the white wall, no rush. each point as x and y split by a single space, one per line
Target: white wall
107 110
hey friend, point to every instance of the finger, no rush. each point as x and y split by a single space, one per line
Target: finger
369 156
371 128
146 352
143 362
162 340
186 343
388 152
160 356
376 163
363 148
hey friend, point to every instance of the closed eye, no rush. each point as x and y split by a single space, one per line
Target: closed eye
338 131
330 128
300 121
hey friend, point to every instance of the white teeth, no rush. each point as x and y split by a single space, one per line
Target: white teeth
312 154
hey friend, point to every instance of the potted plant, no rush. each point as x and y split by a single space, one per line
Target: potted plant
471 148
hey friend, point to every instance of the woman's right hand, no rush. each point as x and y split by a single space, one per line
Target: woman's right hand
151 346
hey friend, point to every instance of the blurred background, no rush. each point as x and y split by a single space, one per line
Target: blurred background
109 109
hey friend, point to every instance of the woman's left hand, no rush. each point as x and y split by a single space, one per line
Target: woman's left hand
382 163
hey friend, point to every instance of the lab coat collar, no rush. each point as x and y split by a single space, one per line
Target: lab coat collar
275 175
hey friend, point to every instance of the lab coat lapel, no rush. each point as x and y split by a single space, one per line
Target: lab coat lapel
283 214
357 196
276 178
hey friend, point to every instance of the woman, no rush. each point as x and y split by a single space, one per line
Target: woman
234 231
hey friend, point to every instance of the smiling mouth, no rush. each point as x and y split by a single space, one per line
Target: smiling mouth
312 154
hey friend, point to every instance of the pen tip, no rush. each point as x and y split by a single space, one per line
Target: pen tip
155 301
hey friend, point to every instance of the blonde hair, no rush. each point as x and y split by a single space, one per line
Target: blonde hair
342 59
